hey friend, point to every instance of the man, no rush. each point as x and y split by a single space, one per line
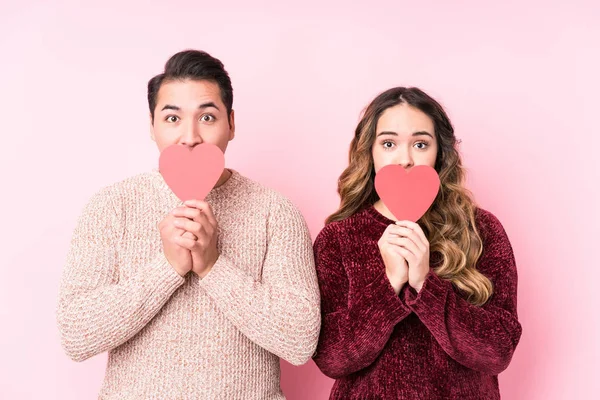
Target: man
197 299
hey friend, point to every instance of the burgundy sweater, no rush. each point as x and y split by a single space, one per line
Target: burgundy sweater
430 345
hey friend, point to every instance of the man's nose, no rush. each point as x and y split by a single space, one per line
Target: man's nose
192 136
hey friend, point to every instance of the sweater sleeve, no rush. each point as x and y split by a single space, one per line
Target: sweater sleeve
357 324
480 338
96 310
281 312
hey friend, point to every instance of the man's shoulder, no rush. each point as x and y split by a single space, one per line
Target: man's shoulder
266 197
142 182
136 187
260 192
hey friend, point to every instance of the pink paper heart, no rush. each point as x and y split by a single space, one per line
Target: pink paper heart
408 195
191 174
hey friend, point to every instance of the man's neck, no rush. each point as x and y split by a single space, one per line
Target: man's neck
224 177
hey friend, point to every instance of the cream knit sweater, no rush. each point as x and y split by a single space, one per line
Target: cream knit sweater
170 337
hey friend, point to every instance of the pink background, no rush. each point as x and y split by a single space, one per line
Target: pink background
519 80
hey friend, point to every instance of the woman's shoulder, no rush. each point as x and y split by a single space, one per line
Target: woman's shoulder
486 219
328 233
491 230
334 230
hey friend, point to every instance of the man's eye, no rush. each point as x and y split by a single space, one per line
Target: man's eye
172 118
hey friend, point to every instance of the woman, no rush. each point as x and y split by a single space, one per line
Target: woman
423 310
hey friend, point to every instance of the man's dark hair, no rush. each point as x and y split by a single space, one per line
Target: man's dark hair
195 65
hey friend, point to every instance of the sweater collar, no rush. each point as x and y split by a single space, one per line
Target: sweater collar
215 193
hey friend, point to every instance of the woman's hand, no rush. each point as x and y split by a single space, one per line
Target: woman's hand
414 247
396 267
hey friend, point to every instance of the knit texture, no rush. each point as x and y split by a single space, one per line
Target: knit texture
173 337
430 345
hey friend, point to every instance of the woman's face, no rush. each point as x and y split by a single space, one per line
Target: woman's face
404 136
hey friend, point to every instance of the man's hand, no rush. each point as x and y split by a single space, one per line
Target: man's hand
198 221
179 257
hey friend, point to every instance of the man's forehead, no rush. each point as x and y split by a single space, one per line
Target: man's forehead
189 91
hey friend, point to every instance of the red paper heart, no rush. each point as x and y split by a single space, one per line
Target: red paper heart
407 194
191 174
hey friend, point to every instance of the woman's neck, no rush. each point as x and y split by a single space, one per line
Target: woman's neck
383 210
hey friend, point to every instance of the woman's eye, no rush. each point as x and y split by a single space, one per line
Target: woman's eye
421 145
388 145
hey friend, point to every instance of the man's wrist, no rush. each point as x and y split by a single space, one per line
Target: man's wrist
208 268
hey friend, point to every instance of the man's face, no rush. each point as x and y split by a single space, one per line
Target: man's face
190 112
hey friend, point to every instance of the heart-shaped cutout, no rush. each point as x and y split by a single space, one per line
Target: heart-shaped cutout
191 174
407 194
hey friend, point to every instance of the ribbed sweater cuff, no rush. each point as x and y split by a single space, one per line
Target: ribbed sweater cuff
431 298
162 276
379 304
221 279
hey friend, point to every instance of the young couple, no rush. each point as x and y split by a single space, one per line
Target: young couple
201 299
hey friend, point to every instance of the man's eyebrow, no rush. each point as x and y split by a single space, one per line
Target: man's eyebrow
207 105
201 106
170 107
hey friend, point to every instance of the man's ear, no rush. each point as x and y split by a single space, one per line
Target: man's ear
232 125
152 128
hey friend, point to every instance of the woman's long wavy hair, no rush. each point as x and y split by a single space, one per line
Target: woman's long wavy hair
455 244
